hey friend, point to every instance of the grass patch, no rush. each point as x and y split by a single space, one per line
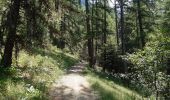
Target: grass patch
35 73
110 89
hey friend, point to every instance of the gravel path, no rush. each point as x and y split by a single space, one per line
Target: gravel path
73 86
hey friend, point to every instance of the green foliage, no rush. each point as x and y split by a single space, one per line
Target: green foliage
110 59
149 69
110 89
166 18
63 23
34 75
8 71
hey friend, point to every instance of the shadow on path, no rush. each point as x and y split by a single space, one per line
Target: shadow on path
73 86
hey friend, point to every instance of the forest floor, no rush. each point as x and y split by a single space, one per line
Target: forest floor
73 86
55 75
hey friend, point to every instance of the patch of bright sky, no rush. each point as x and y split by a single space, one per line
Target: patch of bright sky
111 3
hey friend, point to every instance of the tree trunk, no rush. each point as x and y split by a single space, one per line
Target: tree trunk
29 25
142 37
12 18
105 32
93 32
116 22
122 26
90 39
1 42
96 27
168 66
79 2
122 33
105 24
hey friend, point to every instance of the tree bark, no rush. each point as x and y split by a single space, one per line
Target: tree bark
168 66
93 32
104 35
122 33
96 27
105 23
29 18
12 18
89 35
122 26
116 22
1 42
142 37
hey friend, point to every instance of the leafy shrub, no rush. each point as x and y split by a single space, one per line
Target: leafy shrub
149 70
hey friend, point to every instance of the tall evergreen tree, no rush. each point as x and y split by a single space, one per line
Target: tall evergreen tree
12 20
89 35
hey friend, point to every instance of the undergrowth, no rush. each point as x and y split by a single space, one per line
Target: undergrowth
110 88
34 74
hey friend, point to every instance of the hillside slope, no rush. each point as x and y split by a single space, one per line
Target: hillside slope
36 71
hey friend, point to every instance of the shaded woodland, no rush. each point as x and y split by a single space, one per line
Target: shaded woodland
125 40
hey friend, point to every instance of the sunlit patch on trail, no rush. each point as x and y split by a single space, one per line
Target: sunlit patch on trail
73 86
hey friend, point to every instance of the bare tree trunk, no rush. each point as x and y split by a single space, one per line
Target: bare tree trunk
116 22
1 38
90 39
1 42
168 66
142 37
105 32
93 32
96 37
12 19
122 32
29 25
122 26
105 23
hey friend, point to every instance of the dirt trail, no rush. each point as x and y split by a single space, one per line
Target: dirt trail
73 86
